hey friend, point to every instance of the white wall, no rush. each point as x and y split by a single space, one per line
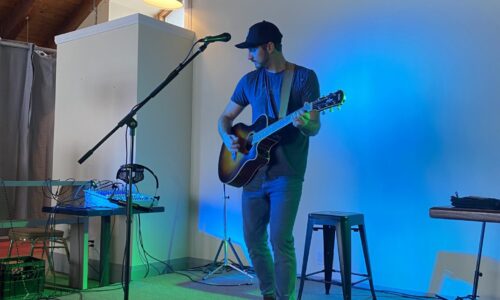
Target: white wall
102 10
422 81
122 8
109 10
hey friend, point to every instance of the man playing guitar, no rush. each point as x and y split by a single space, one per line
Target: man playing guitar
272 195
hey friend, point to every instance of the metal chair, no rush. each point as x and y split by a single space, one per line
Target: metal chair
50 239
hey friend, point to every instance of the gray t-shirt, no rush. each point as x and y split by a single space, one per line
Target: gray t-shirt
261 89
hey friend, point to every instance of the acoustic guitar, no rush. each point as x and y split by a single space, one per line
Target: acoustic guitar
257 140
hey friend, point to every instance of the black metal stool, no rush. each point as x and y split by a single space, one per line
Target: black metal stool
339 223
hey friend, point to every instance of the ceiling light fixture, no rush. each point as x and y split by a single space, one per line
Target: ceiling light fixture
165 4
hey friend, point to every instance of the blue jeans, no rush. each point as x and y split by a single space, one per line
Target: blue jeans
274 202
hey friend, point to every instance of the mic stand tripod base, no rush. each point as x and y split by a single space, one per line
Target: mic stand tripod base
226 262
223 244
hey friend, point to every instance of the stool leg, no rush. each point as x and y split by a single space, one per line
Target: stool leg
49 258
10 248
307 245
364 243
344 245
328 249
65 243
33 242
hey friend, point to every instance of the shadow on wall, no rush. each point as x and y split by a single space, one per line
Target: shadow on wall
461 267
214 247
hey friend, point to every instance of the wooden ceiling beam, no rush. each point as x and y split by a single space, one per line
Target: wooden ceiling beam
74 20
12 25
162 14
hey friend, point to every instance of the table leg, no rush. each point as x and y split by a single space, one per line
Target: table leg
79 254
477 273
104 251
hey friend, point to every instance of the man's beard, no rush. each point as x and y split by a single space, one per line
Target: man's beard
262 64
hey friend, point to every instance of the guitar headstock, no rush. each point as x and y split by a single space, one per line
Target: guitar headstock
329 101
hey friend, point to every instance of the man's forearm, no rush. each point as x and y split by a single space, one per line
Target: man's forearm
224 126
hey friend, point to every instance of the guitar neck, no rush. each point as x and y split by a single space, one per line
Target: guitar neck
271 129
330 101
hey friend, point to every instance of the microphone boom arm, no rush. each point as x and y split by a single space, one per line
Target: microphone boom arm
129 117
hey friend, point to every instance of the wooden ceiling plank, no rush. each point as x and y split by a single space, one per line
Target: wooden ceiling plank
78 16
16 20
73 21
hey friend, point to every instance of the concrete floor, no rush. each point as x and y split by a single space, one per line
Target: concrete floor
174 286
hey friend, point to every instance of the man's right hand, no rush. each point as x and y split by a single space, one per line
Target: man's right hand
232 143
225 123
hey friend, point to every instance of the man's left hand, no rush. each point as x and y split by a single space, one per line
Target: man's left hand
301 118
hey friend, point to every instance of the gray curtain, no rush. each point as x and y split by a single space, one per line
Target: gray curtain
27 102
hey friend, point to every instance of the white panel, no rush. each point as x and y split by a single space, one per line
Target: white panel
164 136
96 84
102 71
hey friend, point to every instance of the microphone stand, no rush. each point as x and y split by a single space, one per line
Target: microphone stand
132 124
224 245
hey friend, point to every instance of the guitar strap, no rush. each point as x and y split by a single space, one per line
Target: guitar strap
286 87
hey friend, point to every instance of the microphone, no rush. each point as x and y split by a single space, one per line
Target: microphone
223 37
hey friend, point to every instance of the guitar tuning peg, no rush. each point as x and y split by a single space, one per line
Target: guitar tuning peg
323 112
331 109
339 107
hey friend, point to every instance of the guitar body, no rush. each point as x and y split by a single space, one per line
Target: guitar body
238 170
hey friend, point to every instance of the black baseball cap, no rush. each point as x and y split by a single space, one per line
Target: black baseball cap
261 33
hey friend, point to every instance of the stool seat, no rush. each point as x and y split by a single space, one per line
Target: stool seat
34 233
337 224
352 217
